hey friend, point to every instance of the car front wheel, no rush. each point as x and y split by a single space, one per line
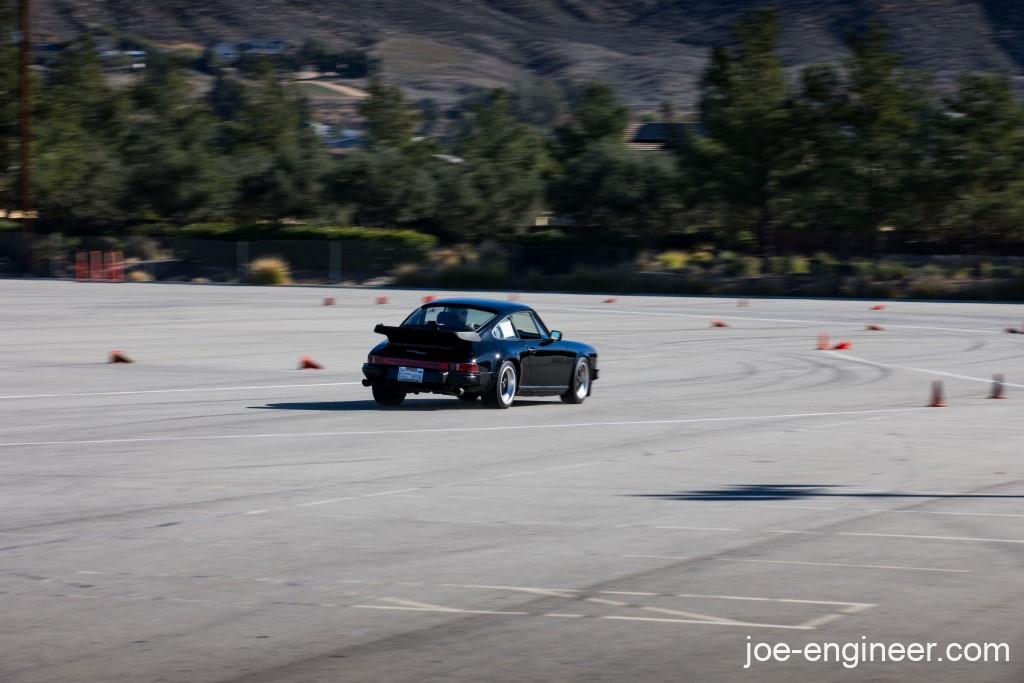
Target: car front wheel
503 391
579 383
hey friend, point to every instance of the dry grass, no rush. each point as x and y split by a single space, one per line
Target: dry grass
270 270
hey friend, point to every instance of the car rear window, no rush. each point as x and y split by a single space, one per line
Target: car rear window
449 317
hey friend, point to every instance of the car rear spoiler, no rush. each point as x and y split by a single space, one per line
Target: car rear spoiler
427 338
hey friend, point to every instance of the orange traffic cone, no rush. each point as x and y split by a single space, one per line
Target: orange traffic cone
428 298
743 303
938 396
610 301
513 297
117 356
878 307
719 323
307 363
998 387
873 328
823 342
843 346
329 301
1013 330
381 300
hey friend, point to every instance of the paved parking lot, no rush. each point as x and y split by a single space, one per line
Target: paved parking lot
211 513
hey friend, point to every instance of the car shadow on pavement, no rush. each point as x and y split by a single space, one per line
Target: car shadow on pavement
407 405
762 492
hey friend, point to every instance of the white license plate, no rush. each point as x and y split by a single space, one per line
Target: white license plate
410 374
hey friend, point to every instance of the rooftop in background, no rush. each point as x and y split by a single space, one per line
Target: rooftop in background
655 136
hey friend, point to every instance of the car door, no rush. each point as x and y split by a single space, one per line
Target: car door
514 346
540 361
553 357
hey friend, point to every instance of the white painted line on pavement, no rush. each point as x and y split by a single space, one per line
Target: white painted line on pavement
934 538
822 620
744 624
695 528
740 316
414 606
184 390
796 601
689 615
443 430
958 514
845 564
927 371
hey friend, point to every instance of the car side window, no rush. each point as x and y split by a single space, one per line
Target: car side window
504 330
526 326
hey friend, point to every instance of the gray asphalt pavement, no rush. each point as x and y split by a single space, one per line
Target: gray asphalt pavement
211 513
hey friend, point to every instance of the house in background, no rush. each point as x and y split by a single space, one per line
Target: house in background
658 136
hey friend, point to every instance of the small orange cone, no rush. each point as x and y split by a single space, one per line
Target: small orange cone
117 356
610 301
1012 330
998 387
329 301
873 328
719 323
743 303
381 300
843 346
878 307
513 297
307 363
938 396
428 298
823 342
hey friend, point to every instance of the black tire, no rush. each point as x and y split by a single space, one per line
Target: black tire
501 395
387 396
579 383
468 398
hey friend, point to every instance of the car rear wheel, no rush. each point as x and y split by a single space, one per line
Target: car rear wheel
579 384
503 392
386 396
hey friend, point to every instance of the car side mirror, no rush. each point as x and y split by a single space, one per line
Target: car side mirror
556 335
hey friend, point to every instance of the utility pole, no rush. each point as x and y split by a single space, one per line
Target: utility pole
25 117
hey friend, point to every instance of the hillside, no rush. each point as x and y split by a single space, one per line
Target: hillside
651 50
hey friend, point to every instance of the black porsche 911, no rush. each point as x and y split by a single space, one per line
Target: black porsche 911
478 348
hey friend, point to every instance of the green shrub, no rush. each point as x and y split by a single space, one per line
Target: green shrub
931 287
891 270
797 265
550 236
824 263
880 290
270 270
701 258
750 266
275 231
672 260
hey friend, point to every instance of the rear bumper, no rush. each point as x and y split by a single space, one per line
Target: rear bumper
434 381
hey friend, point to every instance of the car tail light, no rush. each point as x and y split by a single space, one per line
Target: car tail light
464 367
